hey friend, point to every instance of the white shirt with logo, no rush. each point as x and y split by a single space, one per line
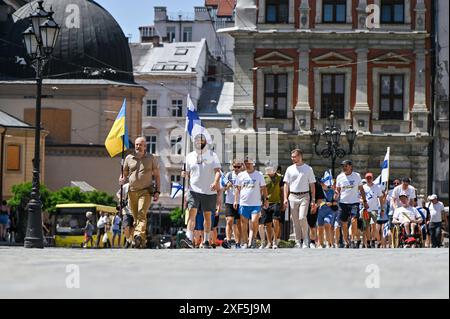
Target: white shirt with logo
230 193
349 185
372 196
299 178
436 211
250 184
398 190
406 214
202 171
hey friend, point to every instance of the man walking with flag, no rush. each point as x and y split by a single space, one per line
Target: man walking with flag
203 170
140 170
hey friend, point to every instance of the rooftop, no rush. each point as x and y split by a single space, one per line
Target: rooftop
7 120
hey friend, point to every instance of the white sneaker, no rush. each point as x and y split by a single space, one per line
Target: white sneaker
304 246
269 246
262 245
244 246
335 246
274 246
320 246
312 246
298 245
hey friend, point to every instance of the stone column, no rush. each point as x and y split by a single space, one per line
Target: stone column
304 15
361 112
420 15
419 113
243 107
362 15
303 109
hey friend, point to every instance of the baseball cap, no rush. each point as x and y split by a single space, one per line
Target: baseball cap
403 195
347 162
431 197
369 175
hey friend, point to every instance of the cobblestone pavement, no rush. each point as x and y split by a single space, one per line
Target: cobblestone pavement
219 273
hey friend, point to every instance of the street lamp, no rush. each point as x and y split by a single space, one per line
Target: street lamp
332 136
39 40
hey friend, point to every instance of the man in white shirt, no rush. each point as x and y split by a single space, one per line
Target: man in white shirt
203 171
349 190
251 186
232 214
127 217
406 215
404 188
436 210
299 188
374 196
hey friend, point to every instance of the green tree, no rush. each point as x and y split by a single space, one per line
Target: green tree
177 217
19 202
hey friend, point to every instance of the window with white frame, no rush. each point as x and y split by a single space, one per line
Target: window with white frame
151 144
187 34
177 108
151 109
175 146
171 34
175 179
391 96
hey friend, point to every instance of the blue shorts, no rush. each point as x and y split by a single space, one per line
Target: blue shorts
248 211
326 216
116 232
199 220
4 219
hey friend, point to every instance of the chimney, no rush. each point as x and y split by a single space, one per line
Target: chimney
155 41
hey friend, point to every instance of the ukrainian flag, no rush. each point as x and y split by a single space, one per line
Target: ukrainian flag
117 140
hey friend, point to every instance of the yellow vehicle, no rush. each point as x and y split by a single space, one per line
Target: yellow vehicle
69 222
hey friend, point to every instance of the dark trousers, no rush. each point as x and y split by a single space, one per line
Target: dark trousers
435 233
100 233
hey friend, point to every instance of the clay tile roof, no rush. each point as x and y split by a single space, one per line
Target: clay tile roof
226 8
214 3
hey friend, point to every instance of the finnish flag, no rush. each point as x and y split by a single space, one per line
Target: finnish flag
194 125
327 179
177 190
385 168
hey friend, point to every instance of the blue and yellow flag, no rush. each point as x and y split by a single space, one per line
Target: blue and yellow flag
117 139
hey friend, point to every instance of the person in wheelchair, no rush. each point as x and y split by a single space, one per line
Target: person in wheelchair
407 216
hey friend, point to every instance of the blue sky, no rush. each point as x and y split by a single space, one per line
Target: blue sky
133 13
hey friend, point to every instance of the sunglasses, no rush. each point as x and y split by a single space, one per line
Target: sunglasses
237 166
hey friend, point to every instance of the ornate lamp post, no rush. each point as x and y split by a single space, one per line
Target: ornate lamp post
332 136
39 39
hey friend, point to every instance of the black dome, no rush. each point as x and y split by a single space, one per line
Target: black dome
90 51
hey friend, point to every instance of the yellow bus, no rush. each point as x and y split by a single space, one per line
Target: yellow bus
69 222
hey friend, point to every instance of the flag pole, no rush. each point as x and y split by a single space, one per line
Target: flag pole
121 174
184 170
388 168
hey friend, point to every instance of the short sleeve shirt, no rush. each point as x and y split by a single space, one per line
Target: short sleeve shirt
372 195
299 177
250 184
140 171
202 171
349 185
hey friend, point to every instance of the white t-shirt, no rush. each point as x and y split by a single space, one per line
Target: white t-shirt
372 195
436 211
299 177
201 168
398 190
410 211
102 222
349 185
125 188
389 202
229 194
250 185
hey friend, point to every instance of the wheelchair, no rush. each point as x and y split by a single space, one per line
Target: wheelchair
401 239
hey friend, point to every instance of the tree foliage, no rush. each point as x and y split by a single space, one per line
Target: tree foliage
177 217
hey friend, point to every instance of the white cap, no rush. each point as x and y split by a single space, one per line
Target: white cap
431 197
